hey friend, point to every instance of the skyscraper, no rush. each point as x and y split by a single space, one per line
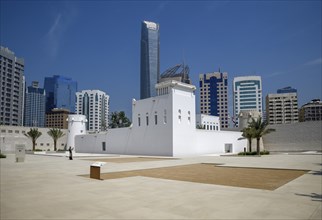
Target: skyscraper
35 106
150 59
282 108
60 93
94 104
247 92
12 88
214 95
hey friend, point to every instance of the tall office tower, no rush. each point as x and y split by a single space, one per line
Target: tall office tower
60 93
214 96
35 104
12 88
311 111
282 108
94 104
150 59
247 93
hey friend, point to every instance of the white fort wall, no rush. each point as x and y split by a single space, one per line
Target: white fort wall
143 139
170 130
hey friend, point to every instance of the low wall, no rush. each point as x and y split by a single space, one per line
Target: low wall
128 141
124 141
301 136
10 136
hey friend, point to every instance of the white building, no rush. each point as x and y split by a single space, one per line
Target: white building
94 104
208 122
247 92
164 125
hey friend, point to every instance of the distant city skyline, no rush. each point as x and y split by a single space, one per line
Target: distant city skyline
98 43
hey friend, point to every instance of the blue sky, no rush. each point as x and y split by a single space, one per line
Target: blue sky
97 43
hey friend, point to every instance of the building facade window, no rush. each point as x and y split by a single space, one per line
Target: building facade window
104 146
165 117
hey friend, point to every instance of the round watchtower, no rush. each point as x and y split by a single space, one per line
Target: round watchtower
76 126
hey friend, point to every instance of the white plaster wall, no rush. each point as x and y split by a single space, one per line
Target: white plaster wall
152 139
8 141
209 142
183 132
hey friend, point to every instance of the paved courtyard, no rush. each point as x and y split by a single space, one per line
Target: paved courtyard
50 187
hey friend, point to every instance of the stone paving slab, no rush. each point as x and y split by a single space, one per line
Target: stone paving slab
50 188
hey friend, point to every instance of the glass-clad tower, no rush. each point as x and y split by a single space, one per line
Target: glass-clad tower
150 59
60 93
247 92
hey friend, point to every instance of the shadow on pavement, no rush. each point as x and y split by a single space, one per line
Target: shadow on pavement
314 196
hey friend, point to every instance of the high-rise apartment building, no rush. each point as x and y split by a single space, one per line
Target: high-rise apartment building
247 94
311 111
57 118
282 108
214 96
60 93
150 59
35 106
12 84
94 104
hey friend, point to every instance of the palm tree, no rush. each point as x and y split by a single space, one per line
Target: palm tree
260 130
119 120
248 133
33 134
55 133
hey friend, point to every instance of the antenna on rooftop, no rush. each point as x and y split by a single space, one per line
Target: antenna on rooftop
183 65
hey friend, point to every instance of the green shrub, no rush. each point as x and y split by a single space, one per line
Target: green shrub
2 156
38 150
247 153
265 152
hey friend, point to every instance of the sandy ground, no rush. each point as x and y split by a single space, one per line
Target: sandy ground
257 178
